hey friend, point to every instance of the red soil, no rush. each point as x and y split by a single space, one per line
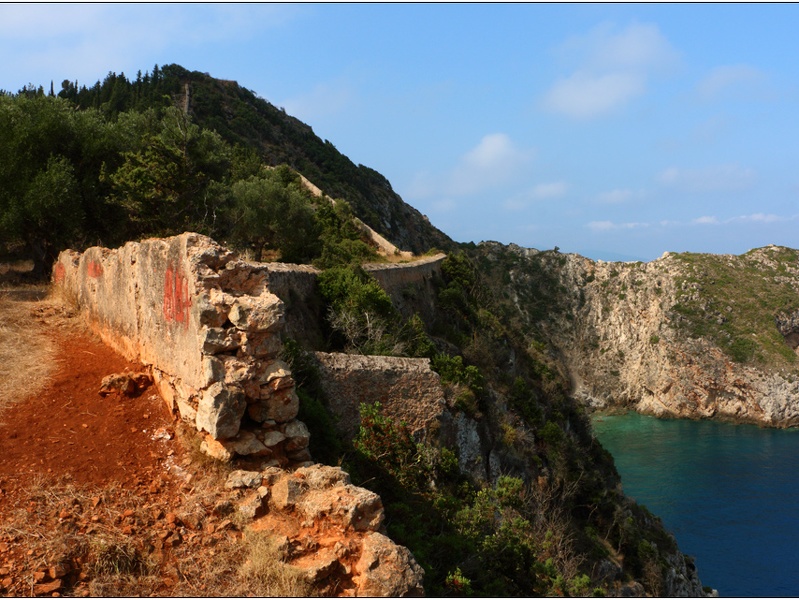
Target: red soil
68 428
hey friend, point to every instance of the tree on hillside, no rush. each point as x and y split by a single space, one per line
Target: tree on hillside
164 183
43 162
272 211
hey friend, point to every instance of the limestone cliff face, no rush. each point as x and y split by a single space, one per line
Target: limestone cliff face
627 334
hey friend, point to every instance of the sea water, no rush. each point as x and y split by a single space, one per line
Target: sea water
728 493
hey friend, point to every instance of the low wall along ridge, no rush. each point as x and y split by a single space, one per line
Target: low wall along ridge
207 325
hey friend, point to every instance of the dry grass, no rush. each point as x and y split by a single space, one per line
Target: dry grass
56 522
28 316
26 351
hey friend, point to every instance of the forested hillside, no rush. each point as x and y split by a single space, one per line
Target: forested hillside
168 152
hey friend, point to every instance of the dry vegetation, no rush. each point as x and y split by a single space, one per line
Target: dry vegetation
26 351
177 534
164 539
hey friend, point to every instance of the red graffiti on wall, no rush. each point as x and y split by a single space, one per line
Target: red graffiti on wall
94 269
176 296
60 272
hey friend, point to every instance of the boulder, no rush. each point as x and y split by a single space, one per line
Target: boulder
298 436
257 314
387 570
243 479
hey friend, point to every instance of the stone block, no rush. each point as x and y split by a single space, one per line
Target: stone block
186 411
261 345
216 449
281 406
238 370
287 491
243 479
217 339
276 370
273 438
321 477
209 313
213 371
247 444
387 570
220 410
297 434
262 313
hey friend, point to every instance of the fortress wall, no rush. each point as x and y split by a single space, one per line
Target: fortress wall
209 328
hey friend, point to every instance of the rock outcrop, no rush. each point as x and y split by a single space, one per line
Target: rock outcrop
329 529
623 340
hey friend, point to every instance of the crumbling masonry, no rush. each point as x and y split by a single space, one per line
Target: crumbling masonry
207 325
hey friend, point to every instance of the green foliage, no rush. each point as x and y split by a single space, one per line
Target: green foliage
452 370
360 311
269 212
163 183
457 585
551 434
733 301
383 441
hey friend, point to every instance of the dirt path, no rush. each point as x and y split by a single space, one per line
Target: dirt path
68 428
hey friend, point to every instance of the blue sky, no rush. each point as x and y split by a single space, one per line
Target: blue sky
616 131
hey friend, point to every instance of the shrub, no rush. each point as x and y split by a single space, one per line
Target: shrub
359 310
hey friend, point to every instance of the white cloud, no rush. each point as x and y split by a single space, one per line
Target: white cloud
495 161
549 190
619 196
612 68
721 79
611 226
86 41
542 191
585 95
492 163
640 46
760 218
444 205
715 178
707 220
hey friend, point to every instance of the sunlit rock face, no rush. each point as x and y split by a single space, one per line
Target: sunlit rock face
626 342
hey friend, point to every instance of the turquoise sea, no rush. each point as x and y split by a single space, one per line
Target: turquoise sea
728 493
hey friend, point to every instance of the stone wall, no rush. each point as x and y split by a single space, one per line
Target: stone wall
410 285
209 328
407 389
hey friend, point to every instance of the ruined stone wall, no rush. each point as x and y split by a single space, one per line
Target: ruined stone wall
208 326
407 389
410 285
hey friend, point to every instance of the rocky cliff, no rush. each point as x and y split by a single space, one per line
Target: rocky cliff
686 335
